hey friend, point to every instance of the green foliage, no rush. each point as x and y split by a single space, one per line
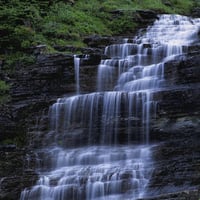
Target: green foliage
19 141
196 3
26 23
122 25
23 37
17 58
116 5
167 6
18 19
4 87
63 21
182 6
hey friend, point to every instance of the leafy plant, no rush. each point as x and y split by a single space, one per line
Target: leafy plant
4 87
16 59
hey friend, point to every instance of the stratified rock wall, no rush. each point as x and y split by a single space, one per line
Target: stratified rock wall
177 127
24 120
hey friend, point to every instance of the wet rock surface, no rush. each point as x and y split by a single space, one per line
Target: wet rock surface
15 172
177 132
196 12
192 194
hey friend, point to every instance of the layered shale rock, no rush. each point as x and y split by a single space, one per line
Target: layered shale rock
177 159
16 171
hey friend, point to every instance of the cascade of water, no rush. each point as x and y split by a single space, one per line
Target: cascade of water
93 173
77 69
109 166
140 65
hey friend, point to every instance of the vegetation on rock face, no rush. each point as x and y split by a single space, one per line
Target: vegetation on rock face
3 87
28 23
4 90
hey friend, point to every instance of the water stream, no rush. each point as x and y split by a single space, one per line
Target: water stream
99 143
77 73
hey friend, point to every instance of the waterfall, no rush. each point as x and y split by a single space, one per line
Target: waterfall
77 73
99 143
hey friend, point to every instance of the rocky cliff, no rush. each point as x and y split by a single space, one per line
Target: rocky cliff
24 119
177 127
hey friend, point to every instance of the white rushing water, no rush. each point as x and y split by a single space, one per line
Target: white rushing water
77 73
96 172
108 166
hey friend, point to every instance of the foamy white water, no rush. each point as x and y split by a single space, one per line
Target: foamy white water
77 73
96 172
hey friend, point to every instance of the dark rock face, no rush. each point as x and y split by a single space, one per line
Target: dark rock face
196 12
12 178
145 16
38 86
25 117
96 41
187 194
186 71
177 102
30 91
177 127
51 75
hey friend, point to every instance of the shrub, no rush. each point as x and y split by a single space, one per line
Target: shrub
4 87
